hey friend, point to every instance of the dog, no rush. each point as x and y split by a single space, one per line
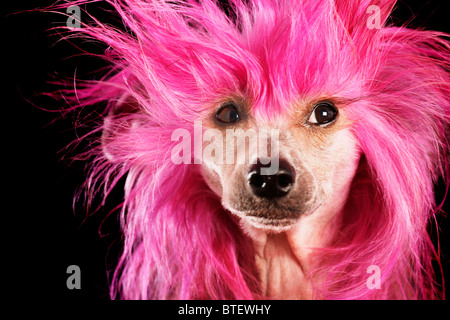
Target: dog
335 206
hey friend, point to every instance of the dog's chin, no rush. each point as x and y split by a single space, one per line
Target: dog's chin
277 220
268 224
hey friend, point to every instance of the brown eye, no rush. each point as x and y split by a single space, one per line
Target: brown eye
323 113
228 114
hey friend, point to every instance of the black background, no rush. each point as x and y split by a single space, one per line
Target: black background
42 234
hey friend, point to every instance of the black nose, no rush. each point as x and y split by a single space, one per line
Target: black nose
271 186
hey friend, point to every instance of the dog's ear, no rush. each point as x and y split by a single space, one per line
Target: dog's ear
359 16
121 118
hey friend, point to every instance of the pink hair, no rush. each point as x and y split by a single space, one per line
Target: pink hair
175 57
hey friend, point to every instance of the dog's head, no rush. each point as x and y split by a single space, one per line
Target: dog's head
271 172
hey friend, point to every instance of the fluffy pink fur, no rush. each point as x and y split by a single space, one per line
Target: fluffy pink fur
175 57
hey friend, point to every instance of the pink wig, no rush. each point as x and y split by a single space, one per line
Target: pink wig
173 58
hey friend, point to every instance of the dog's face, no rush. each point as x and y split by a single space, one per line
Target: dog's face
308 158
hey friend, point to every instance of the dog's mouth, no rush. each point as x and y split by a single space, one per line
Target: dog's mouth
272 224
264 221
272 217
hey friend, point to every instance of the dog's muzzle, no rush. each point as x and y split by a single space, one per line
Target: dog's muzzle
274 199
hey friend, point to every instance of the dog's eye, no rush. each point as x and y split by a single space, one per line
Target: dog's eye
323 113
228 114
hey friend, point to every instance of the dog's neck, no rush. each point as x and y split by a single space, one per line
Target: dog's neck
283 259
281 272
